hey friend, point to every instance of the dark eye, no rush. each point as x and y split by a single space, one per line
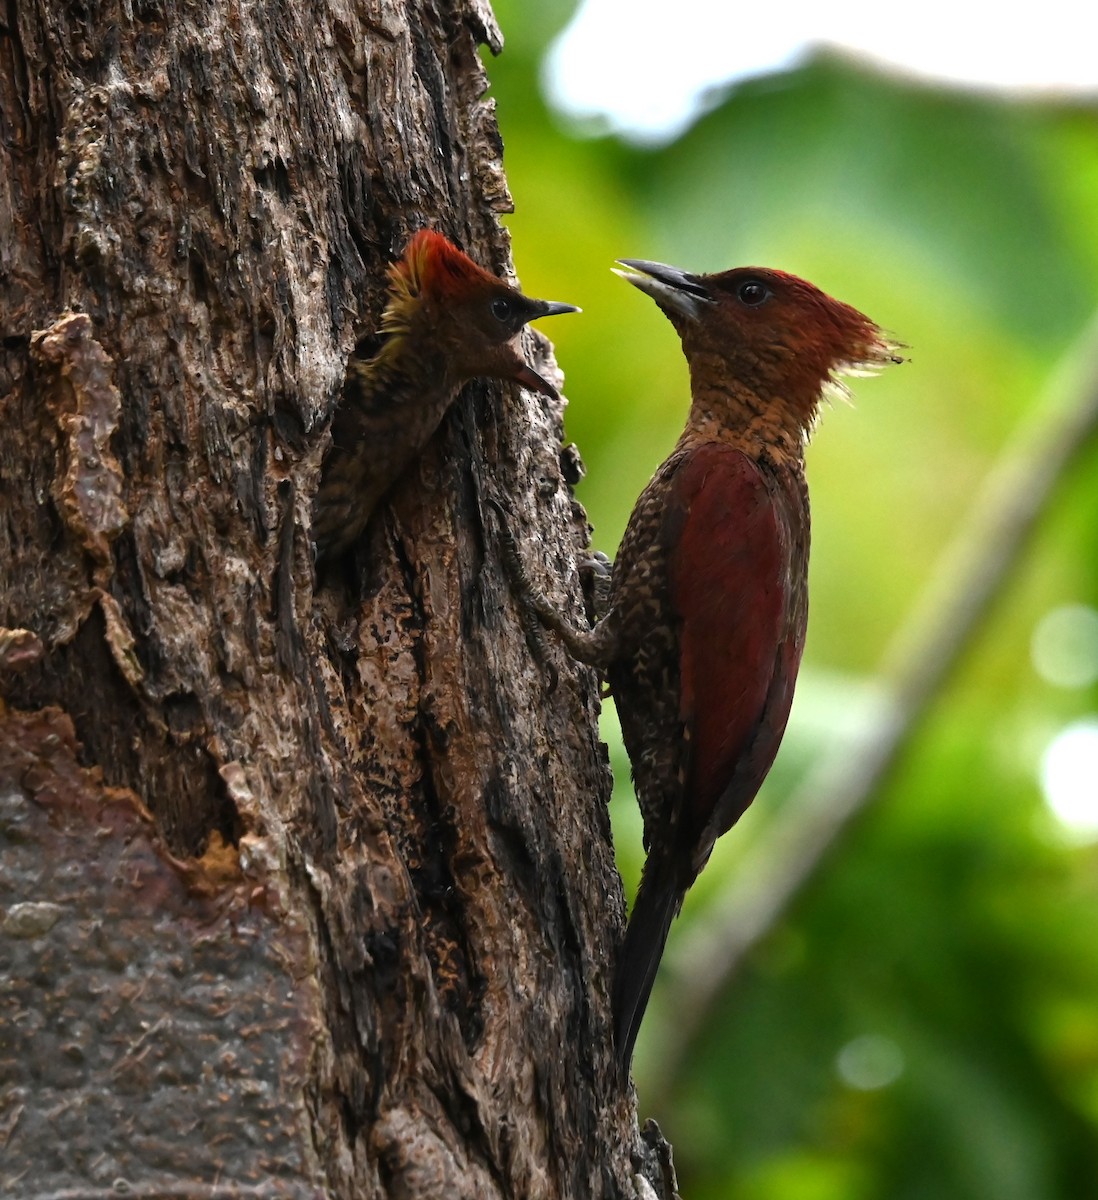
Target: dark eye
752 292
501 308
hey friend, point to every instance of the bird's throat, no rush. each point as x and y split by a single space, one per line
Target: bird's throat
738 417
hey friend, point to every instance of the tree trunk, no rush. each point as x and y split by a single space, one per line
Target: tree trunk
305 890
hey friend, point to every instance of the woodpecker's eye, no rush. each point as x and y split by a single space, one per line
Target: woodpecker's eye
501 308
752 292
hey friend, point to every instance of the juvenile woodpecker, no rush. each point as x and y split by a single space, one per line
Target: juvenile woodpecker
708 600
447 321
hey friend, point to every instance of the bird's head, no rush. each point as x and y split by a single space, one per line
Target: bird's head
768 333
439 295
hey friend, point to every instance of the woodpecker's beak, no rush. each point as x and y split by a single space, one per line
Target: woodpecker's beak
673 290
532 310
551 308
533 382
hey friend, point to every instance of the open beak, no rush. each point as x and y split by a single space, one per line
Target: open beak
672 289
525 374
533 382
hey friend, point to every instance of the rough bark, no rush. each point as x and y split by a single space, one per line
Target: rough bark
307 890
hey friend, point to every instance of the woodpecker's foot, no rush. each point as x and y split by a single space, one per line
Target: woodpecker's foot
534 632
530 601
595 647
517 575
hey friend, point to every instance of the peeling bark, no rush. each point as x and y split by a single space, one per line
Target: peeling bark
354 817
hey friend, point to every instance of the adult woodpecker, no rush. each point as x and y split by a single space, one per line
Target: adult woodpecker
708 601
446 321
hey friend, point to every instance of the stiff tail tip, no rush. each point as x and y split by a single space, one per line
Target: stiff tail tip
653 911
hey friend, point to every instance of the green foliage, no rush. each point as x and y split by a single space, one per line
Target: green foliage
952 938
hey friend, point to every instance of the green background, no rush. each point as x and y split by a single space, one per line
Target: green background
923 1020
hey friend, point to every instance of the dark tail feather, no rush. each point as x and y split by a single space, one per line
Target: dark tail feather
654 909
